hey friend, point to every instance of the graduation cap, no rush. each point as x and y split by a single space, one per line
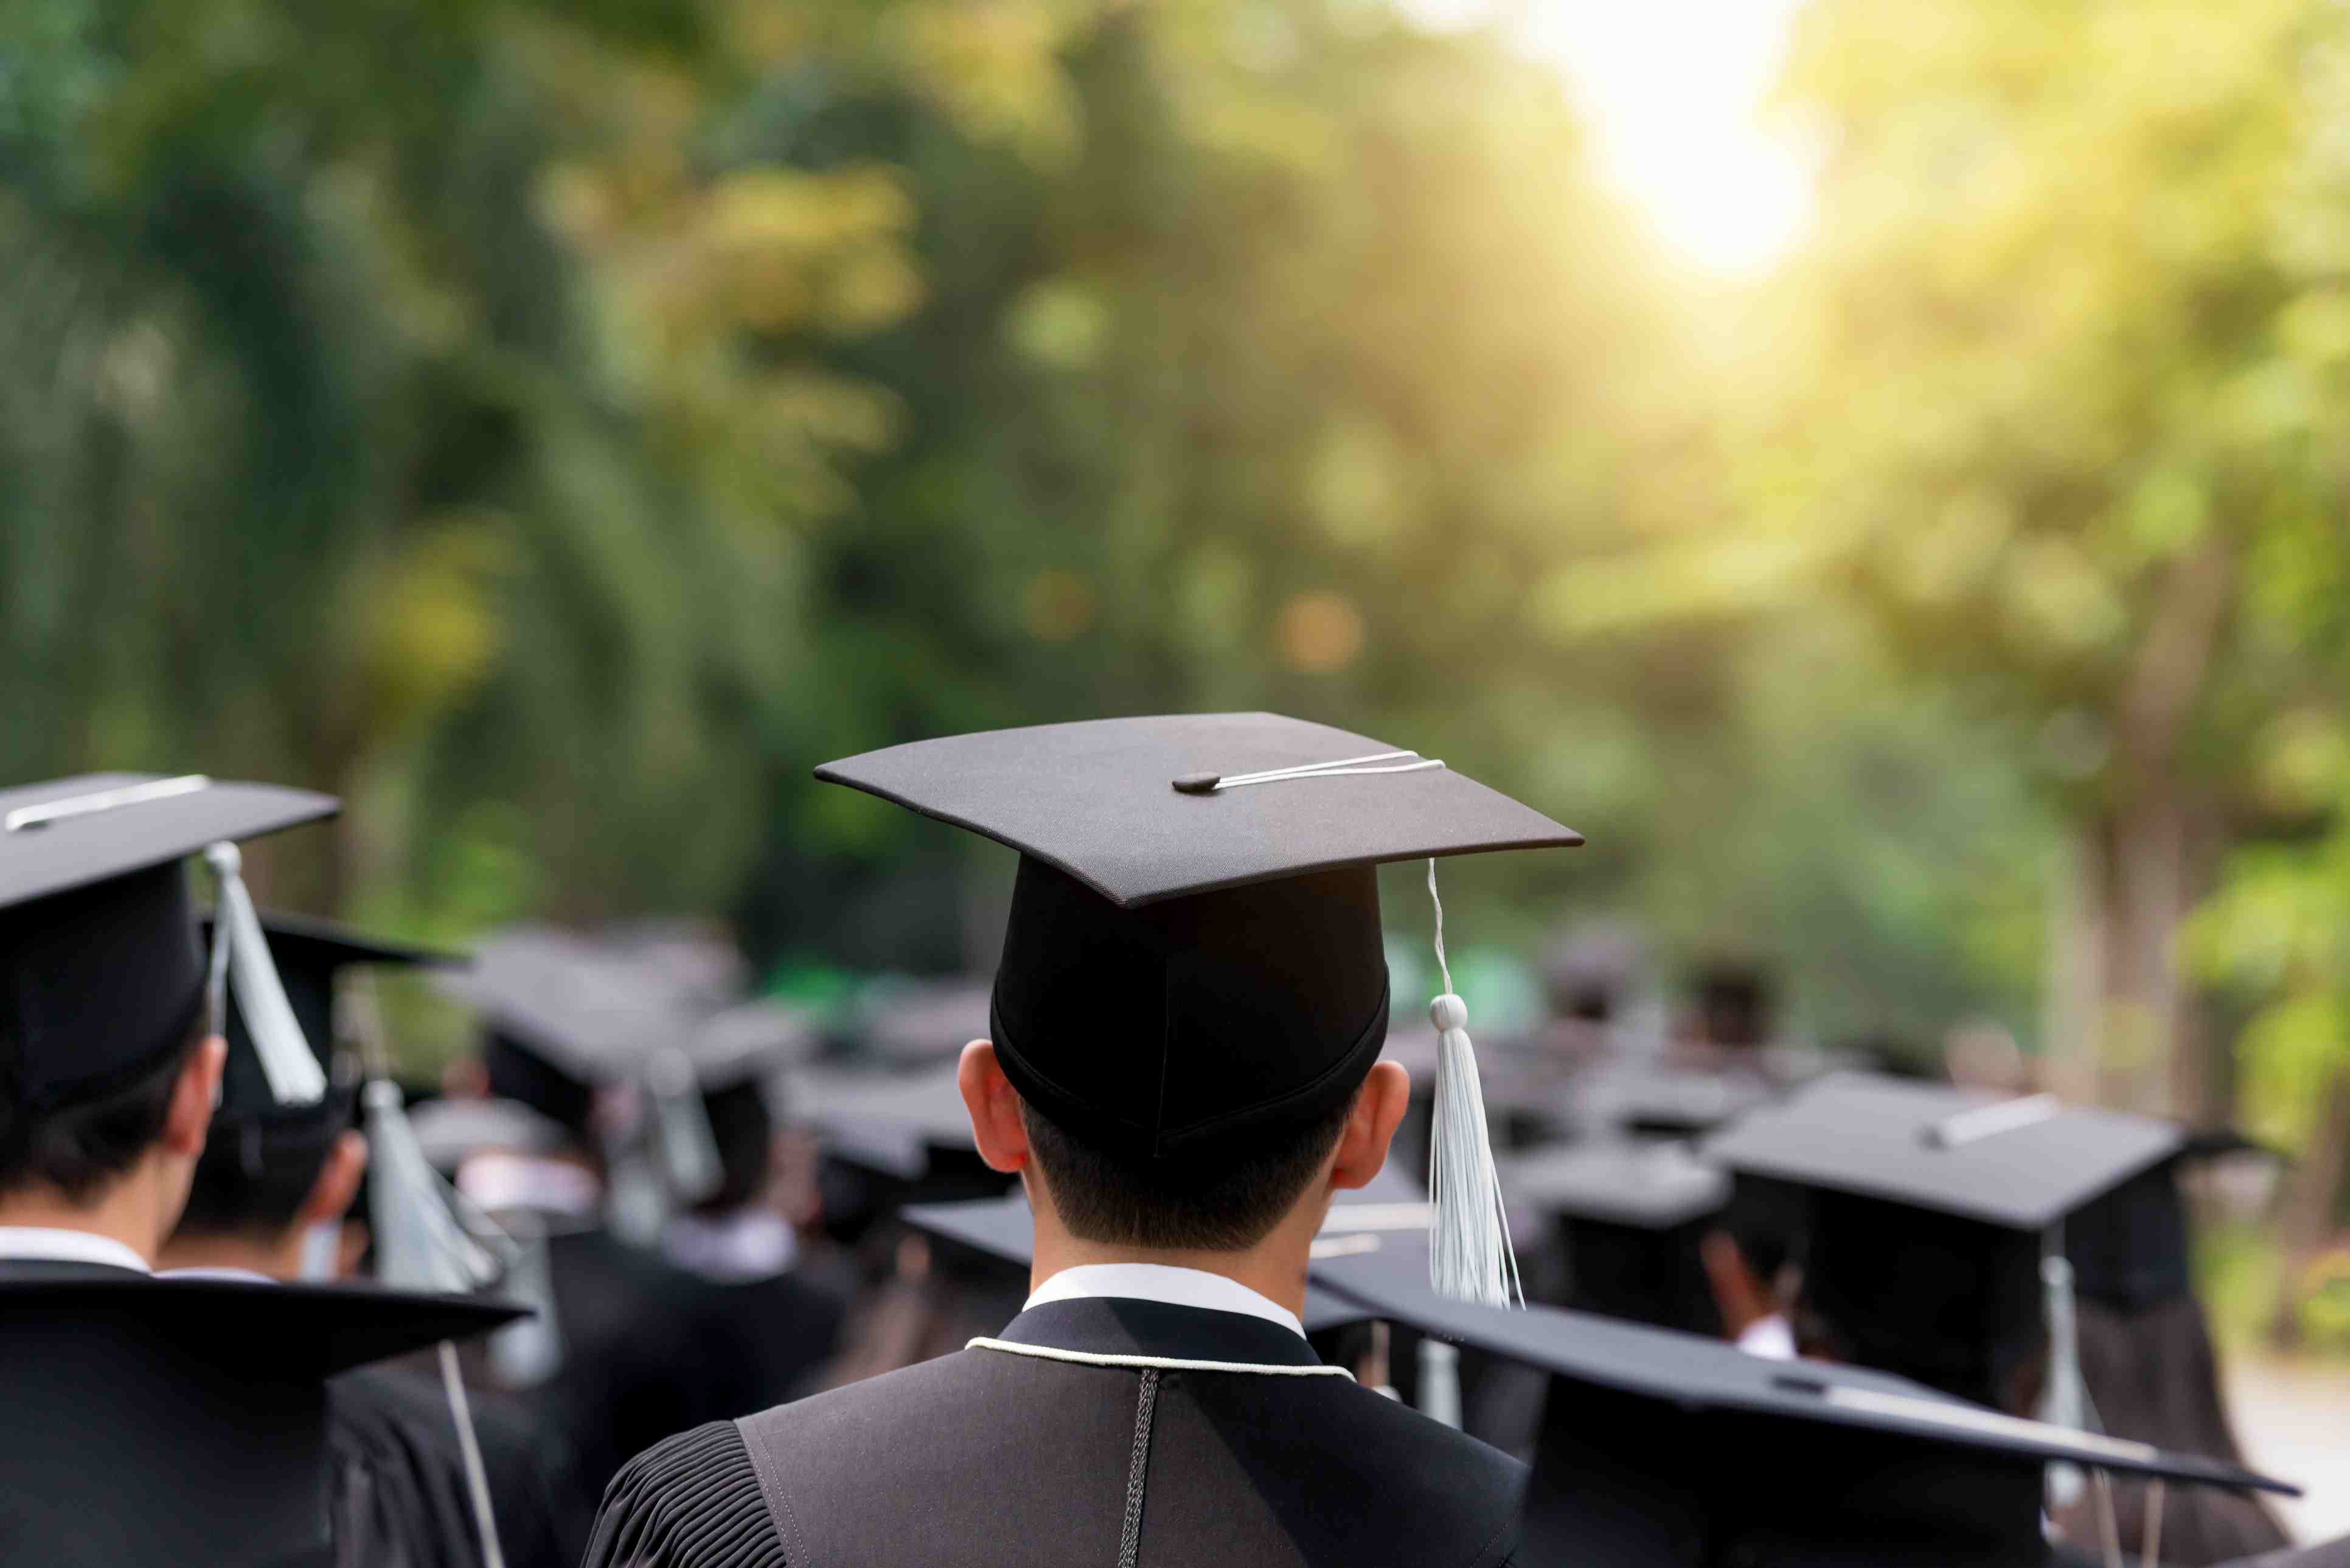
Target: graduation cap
1628 1217
451 1131
1193 955
1659 1447
106 977
157 1422
1656 1101
563 1016
889 1139
910 1024
1932 1211
264 1152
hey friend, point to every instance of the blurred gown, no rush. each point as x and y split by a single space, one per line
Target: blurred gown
652 1350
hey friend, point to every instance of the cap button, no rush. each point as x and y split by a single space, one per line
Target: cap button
1197 783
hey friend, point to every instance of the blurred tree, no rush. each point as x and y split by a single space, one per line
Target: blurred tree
2047 407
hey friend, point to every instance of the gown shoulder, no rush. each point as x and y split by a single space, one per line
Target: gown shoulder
688 1501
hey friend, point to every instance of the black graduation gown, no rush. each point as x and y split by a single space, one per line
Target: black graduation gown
399 1495
1089 1431
762 1341
156 1423
638 1365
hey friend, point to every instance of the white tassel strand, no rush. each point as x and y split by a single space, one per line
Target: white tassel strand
680 1123
288 1064
1469 1253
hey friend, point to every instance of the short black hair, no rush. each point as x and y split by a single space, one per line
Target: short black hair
80 1148
252 1182
1222 1204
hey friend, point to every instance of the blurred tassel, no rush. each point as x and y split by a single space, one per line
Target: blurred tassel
1469 1254
683 1137
420 1243
428 1238
527 1354
288 1064
2066 1404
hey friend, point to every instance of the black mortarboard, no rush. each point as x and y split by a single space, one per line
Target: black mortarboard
450 1131
1629 1218
1654 1101
562 1015
890 1139
158 1422
910 1024
2132 1248
1003 1229
1191 955
104 975
1930 1211
1659 1447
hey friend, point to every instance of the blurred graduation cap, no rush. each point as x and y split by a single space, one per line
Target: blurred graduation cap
2131 1249
562 1016
1932 1212
158 1422
1193 956
908 1023
450 1131
1628 1217
106 977
1656 1101
889 1139
1659 1447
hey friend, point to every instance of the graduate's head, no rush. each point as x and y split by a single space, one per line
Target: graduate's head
109 1057
274 1169
73 1155
1194 989
1225 1201
106 1061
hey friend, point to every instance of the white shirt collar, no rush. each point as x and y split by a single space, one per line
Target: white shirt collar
210 1271
48 1244
731 1249
1164 1282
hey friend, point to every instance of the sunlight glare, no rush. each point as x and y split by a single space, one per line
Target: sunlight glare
1675 92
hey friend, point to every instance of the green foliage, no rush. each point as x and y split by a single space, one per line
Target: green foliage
555 426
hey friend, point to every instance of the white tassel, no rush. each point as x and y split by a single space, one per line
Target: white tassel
2065 1402
288 1064
422 1242
681 1127
1469 1253
525 1353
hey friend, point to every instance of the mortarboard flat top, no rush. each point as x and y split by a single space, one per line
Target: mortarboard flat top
158 1422
305 942
915 1022
886 1123
1691 1373
1651 1185
1097 800
2020 1165
263 1331
1003 1228
98 930
451 1131
69 832
584 1008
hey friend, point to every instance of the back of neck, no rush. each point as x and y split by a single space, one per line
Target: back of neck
121 1214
